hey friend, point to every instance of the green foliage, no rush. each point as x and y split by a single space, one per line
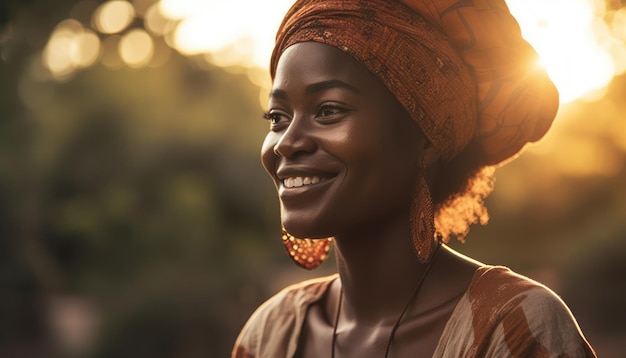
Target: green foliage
134 192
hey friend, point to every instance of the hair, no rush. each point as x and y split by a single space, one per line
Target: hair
459 190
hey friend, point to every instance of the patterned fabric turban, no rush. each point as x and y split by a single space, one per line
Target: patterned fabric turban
459 67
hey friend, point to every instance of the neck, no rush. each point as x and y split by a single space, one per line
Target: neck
379 272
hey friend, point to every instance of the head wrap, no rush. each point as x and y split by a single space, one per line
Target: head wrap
459 67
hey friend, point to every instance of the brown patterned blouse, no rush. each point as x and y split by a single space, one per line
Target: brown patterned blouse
502 314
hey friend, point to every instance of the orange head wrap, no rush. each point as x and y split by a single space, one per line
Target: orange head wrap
459 67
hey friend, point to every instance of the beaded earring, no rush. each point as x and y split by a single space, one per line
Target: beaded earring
307 253
422 221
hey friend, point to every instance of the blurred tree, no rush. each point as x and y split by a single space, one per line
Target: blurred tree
127 199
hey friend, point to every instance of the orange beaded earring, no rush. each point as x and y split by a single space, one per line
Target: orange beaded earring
422 221
307 253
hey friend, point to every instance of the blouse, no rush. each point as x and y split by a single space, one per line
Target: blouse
502 314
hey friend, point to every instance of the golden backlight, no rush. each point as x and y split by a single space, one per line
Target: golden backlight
577 46
582 43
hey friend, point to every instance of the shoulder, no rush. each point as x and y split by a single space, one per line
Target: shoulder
497 292
286 304
274 326
522 317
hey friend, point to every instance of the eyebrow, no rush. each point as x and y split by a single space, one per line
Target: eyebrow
324 85
317 87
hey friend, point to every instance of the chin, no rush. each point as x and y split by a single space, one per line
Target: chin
304 230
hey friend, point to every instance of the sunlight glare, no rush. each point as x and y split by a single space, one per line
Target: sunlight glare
201 34
619 23
209 26
581 52
181 9
567 43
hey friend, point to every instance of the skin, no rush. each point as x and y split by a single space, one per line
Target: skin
332 119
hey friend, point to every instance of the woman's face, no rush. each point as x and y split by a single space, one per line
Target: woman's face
341 150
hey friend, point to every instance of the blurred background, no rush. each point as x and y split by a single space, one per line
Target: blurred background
135 217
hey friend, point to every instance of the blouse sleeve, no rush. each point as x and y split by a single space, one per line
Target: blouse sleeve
270 330
538 324
504 314
274 328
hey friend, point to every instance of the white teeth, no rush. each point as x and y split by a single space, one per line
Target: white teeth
295 182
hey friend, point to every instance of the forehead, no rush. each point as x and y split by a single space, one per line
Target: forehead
311 62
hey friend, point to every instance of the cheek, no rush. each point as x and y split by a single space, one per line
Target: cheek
268 158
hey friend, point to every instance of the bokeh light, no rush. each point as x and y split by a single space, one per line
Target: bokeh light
136 48
155 22
113 16
69 48
87 48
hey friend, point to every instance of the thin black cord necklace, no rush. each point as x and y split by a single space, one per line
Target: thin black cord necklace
406 307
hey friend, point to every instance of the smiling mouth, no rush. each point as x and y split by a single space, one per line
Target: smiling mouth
297 182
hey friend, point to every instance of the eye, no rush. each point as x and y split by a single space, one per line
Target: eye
330 111
276 118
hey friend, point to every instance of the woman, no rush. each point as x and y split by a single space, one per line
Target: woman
386 119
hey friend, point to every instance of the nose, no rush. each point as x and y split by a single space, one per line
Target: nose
296 139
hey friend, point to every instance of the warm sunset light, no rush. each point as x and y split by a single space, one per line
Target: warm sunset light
581 51
577 46
215 26
140 219
583 47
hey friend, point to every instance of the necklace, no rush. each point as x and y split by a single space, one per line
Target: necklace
406 308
